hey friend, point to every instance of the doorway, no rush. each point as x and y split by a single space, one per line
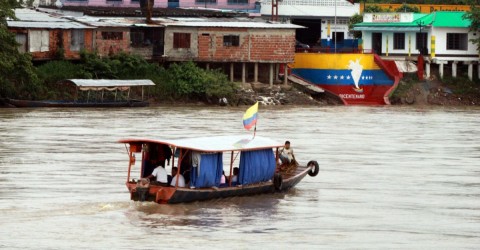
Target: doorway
377 43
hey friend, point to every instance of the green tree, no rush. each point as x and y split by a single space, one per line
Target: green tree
17 74
374 9
357 18
474 16
407 8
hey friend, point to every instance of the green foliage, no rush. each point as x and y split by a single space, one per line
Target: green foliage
183 81
357 18
374 9
405 85
17 74
474 16
461 85
54 71
407 8
187 81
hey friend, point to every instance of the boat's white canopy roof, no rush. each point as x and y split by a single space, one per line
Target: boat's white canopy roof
214 143
109 82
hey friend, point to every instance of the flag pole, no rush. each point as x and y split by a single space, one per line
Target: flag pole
254 131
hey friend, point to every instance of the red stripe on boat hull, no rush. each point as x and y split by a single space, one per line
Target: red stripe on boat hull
370 94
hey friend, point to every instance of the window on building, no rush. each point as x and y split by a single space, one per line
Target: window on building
206 1
421 40
237 1
106 35
22 42
77 40
457 41
38 40
398 40
137 38
181 40
231 41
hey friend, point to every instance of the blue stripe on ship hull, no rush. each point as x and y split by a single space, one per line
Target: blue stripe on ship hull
342 76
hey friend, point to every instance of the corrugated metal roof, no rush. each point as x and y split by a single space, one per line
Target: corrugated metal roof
48 25
109 83
215 143
388 28
453 19
28 18
121 22
35 16
256 25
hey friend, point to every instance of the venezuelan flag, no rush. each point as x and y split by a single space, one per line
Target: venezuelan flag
250 116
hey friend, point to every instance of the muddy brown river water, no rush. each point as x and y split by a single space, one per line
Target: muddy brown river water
390 178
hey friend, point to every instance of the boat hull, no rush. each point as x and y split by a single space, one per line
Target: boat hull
355 78
174 195
53 104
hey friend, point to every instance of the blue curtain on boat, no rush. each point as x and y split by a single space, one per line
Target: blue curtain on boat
209 173
256 166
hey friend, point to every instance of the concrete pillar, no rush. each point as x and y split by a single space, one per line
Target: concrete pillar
255 72
427 69
243 72
231 72
207 66
454 69
478 70
277 71
270 81
470 71
285 74
440 70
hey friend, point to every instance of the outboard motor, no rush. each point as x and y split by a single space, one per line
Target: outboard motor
143 185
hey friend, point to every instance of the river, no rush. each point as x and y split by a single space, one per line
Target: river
390 178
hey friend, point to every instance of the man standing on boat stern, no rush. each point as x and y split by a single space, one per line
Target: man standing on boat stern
286 154
160 173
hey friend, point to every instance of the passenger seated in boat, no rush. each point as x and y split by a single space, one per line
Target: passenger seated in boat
223 179
286 154
161 175
181 180
235 175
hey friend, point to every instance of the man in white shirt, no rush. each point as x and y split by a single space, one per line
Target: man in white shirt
181 180
160 173
286 154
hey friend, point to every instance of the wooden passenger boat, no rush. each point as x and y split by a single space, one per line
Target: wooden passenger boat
257 160
95 92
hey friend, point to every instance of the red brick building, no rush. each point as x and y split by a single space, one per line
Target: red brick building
241 44
47 37
242 47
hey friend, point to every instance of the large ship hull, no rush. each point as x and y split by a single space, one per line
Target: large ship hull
355 78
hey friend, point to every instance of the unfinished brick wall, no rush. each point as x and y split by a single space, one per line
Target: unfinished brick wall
107 47
88 44
273 45
255 45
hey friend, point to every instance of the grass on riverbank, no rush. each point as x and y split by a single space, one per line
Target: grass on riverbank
179 82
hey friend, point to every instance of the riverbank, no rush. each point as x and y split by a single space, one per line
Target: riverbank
447 92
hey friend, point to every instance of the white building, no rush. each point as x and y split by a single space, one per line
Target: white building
318 16
441 37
